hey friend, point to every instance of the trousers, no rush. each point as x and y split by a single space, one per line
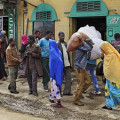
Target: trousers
94 79
46 71
32 79
67 74
83 82
13 73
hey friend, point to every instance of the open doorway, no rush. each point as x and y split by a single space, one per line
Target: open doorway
98 22
4 24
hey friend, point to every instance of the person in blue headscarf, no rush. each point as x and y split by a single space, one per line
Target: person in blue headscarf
56 73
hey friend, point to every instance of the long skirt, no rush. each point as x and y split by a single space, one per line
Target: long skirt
22 72
55 91
112 94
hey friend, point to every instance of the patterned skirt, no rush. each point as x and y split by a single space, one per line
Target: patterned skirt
112 94
55 91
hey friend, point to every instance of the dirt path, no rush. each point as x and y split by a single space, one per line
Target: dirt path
39 109
6 114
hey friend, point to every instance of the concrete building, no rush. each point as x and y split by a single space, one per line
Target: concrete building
8 17
65 15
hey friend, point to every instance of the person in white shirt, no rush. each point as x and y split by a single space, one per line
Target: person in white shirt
62 45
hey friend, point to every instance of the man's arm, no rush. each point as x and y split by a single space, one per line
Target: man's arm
85 47
6 39
39 43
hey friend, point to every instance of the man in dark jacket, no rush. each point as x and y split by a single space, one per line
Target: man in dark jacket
83 77
33 64
62 45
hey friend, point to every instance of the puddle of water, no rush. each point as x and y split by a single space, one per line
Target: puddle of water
6 114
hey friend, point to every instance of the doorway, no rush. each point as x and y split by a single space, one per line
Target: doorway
98 22
4 24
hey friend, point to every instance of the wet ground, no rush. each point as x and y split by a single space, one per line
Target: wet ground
40 106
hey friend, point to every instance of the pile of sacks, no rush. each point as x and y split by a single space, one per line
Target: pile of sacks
83 34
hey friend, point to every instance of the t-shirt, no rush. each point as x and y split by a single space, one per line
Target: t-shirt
44 45
65 55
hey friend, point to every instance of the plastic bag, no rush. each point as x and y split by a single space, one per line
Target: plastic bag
21 66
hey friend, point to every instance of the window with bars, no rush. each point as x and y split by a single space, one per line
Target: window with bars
90 6
43 16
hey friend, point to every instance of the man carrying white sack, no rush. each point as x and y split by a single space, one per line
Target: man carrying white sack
83 77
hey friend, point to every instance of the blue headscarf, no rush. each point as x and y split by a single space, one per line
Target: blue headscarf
56 63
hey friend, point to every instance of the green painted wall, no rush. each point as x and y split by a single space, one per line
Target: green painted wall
43 8
103 10
113 26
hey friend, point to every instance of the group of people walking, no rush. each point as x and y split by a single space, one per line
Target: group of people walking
43 59
48 59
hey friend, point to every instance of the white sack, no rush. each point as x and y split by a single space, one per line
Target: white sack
96 51
90 31
95 35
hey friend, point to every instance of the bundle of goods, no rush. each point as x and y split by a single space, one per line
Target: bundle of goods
83 34
76 40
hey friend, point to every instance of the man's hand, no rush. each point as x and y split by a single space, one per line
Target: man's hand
20 61
29 53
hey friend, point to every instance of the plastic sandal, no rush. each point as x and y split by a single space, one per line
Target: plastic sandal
105 107
57 105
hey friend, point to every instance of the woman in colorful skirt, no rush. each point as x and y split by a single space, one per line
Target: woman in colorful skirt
111 68
56 73
22 51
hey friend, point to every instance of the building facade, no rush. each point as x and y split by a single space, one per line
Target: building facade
8 17
68 16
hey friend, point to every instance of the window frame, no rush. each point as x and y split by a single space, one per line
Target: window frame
43 29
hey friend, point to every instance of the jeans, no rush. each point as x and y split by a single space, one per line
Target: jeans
94 79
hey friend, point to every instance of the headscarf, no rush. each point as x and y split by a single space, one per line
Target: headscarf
111 66
56 63
24 39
